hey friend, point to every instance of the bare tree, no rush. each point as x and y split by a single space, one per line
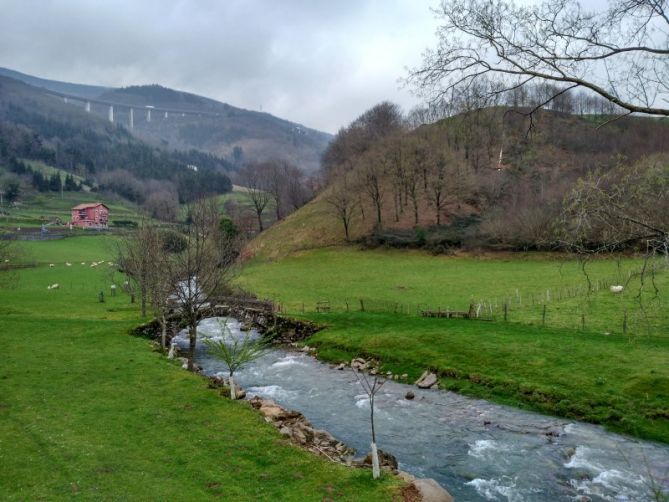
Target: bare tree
343 202
437 181
297 192
626 206
162 205
371 389
203 268
254 178
137 257
619 54
416 166
161 286
275 181
372 172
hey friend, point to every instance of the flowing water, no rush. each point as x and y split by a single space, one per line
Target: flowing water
475 449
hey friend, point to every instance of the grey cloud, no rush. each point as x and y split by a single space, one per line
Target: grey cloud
318 63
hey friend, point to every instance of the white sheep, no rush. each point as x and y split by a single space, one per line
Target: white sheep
51 265
68 264
83 263
616 289
53 286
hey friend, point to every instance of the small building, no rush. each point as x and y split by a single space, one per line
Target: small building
90 215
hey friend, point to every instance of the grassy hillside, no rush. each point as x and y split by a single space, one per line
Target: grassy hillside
88 411
38 208
594 356
311 226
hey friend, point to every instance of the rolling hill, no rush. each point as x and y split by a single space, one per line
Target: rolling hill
499 184
221 130
35 126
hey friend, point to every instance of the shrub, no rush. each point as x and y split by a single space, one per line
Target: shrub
124 223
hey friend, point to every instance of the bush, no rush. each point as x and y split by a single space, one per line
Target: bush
173 242
228 228
124 223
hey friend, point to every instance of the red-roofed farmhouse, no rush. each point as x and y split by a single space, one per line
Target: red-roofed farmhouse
92 214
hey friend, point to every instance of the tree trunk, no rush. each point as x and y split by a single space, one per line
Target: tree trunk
415 210
233 392
345 221
142 292
192 339
260 228
163 331
376 472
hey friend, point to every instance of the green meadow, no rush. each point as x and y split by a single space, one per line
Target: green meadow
593 356
88 411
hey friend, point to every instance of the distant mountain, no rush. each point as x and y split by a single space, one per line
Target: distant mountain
36 126
82 90
222 129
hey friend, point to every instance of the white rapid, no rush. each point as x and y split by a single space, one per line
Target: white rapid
476 449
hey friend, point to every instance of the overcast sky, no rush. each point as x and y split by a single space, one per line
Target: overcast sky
317 62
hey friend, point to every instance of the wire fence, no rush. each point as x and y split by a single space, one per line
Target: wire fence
580 307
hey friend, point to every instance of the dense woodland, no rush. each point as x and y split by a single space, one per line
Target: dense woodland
505 175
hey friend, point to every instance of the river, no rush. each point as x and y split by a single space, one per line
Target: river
476 449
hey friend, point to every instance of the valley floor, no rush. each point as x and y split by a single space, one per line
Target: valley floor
88 411
595 356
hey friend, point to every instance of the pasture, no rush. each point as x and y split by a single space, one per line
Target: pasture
88 411
597 356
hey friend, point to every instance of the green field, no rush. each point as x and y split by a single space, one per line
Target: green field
88 411
412 281
593 372
36 209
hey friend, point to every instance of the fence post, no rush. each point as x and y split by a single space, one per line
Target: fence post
346 302
625 323
506 311
362 305
543 316
583 322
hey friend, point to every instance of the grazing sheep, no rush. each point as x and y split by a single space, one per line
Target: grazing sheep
51 265
83 263
53 286
616 289
68 264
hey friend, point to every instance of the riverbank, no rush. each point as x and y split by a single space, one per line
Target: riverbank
87 411
477 449
587 376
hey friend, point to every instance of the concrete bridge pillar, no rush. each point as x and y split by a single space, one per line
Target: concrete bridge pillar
132 118
148 115
111 114
88 106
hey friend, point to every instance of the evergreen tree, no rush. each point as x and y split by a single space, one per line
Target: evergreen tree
55 183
